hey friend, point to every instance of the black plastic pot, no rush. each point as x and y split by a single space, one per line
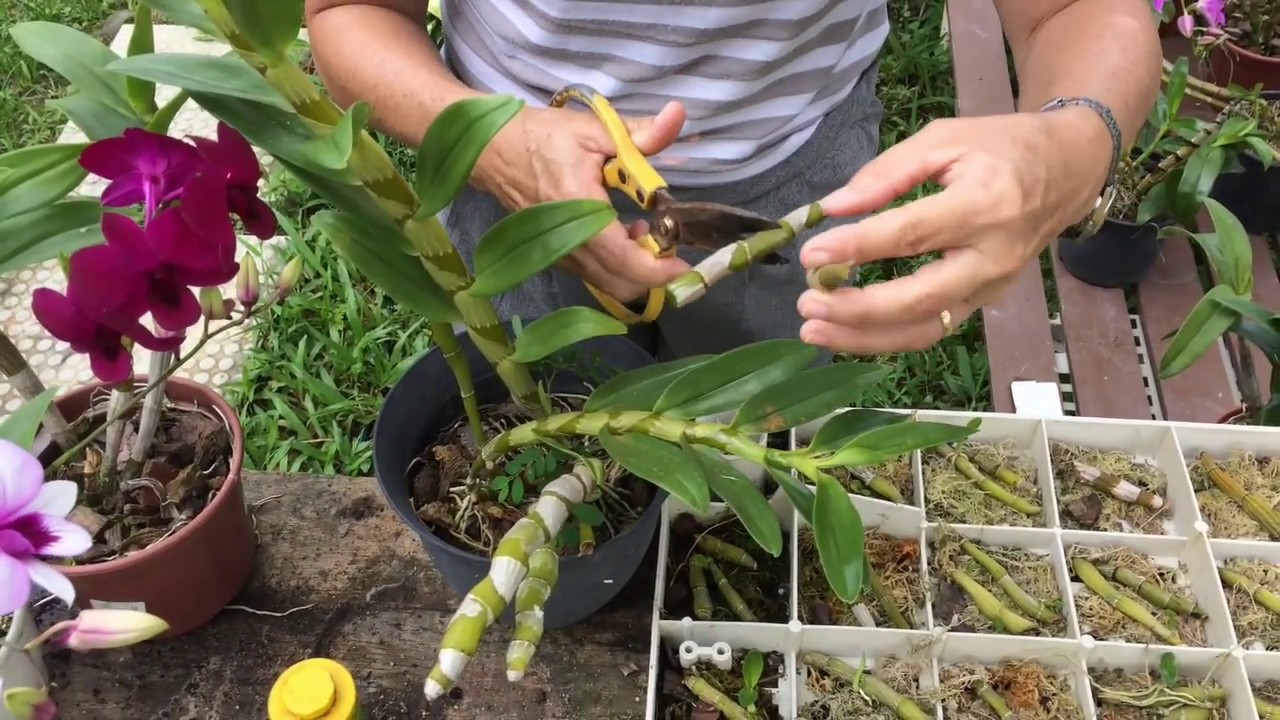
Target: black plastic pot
425 402
1120 254
1252 195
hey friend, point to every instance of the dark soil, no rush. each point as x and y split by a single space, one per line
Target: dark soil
766 590
189 463
676 702
440 473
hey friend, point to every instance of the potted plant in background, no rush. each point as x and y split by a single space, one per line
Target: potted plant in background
1228 308
1172 165
158 458
1244 47
33 520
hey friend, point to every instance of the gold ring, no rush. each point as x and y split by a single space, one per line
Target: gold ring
945 317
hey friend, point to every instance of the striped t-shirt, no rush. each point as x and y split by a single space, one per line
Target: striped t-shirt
756 76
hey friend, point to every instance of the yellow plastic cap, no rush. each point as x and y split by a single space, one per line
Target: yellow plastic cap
315 689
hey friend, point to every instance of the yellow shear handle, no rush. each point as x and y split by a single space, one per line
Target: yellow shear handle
630 172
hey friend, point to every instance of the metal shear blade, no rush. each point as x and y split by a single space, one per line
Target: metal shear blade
708 226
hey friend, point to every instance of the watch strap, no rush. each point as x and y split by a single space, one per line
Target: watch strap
1091 222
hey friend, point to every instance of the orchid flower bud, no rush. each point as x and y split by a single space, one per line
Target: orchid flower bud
103 629
212 305
28 703
288 279
247 286
1186 25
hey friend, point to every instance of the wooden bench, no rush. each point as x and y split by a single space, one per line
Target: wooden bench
1102 355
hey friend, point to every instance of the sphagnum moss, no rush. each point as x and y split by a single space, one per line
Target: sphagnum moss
1102 619
1121 695
896 563
954 497
1253 591
1259 477
837 699
1029 690
1117 515
1029 595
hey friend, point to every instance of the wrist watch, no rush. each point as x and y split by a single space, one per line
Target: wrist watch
1090 223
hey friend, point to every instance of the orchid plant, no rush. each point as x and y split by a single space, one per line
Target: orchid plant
34 526
1200 17
647 422
1228 307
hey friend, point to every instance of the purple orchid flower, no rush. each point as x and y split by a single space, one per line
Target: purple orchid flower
109 359
1214 12
234 157
33 524
144 168
152 269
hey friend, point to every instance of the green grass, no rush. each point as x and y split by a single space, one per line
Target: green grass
25 84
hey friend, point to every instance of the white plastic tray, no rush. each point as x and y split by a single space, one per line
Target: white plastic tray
1186 539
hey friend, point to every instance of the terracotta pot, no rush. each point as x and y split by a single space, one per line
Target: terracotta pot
1230 63
189 576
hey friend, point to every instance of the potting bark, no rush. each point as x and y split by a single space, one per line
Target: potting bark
473 513
1029 690
188 464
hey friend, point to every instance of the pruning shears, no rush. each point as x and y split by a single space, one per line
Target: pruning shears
672 222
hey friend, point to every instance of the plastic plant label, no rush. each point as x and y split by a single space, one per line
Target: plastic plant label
118 605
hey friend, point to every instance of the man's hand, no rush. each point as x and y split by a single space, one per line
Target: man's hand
552 154
1011 183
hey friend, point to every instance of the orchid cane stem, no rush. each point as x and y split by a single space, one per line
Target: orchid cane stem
486 602
740 255
152 406
442 334
531 598
868 683
731 595
1030 605
702 607
990 606
995 702
707 693
1126 605
726 551
1255 590
1253 506
1152 592
24 380
885 600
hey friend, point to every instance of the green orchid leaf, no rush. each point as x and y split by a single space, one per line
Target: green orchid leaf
729 380
1198 176
223 75
95 119
888 442
286 135
78 57
163 118
142 41
403 277
21 426
752 668
1261 148
1206 322
1176 88
353 200
531 240
661 463
562 328
838 534
1230 253
38 175
640 389
1256 324
185 12
454 142
797 492
48 231
807 396
270 27
736 490
588 514
846 426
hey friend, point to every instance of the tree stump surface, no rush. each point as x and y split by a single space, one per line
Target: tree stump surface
357 587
